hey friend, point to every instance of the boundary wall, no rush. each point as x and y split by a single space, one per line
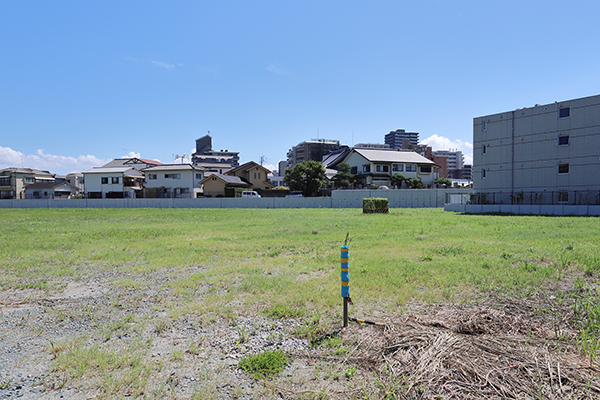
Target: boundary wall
523 209
399 198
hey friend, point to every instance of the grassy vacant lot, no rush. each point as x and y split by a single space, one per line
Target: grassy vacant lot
216 264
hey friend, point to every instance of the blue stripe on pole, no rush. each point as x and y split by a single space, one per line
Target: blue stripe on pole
345 271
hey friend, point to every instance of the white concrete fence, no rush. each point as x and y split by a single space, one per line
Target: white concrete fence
399 198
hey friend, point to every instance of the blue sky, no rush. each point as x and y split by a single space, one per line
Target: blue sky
84 82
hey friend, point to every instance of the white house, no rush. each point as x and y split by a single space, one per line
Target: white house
51 190
173 181
113 182
377 166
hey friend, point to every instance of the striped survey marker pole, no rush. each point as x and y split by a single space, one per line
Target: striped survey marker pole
345 281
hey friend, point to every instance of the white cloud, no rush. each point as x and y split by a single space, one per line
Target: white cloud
166 65
53 163
277 70
132 154
443 143
271 167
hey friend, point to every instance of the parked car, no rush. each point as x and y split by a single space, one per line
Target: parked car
295 193
250 194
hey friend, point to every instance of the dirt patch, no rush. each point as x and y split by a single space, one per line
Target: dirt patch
500 348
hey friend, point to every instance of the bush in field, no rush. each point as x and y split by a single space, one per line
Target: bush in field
376 205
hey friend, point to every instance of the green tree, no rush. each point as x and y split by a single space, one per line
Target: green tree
307 176
397 180
343 178
443 182
415 183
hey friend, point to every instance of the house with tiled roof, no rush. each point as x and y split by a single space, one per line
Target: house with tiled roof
250 175
113 182
13 181
377 166
51 190
214 185
138 163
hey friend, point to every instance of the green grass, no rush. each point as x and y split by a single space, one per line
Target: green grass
265 364
290 258
217 263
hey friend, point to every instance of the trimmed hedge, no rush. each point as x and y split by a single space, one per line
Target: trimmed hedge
376 205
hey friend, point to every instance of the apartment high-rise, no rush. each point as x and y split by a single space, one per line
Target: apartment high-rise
395 138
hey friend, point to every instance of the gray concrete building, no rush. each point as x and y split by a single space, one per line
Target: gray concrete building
546 154
394 138
314 150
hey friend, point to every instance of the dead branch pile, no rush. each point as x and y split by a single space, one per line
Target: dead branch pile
476 353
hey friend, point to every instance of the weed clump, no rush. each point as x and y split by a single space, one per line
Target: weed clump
265 364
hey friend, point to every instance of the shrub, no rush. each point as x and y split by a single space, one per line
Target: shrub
376 205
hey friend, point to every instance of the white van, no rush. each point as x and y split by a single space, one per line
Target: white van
250 194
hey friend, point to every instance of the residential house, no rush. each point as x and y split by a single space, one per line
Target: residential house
546 154
76 179
51 190
137 163
249 175
13 181
173 181
371 166
113 182
214 185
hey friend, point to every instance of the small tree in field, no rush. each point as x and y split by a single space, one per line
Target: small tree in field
307 176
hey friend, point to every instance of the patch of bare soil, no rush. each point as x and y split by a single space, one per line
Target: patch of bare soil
501 348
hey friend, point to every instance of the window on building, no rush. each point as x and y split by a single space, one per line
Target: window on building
483 173
104 180
115 180
563 140
29 180
564 112
198 176
367 168
172 176
411 168
5 181
382 168
354 170
152 177
36 194
426 170
563 168
398 167
484 126
483 149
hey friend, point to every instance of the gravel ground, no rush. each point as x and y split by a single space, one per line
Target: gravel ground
188 357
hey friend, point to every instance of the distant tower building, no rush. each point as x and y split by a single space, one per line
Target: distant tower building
204 154
314 149
455 168
394 138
